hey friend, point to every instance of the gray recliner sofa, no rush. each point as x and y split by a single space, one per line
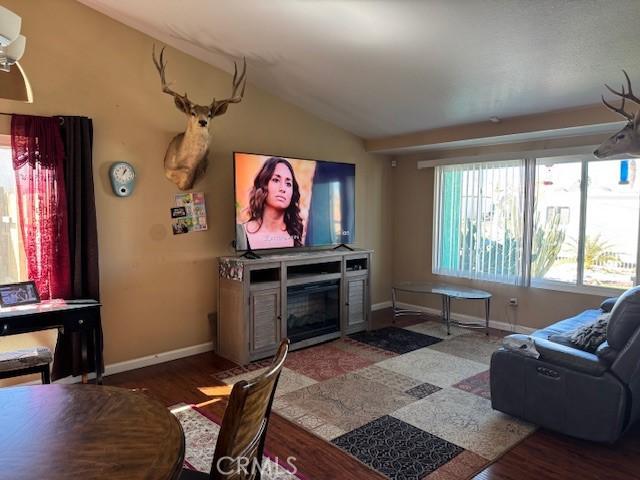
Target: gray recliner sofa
590 396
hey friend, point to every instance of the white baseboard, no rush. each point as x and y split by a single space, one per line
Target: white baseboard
140 362
157 358
468 318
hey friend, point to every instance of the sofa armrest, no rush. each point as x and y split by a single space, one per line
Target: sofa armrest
569 357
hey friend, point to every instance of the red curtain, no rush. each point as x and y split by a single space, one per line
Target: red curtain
38 156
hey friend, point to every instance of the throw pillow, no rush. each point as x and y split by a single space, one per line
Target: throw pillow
590 336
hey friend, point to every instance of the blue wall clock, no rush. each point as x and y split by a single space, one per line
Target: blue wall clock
123 178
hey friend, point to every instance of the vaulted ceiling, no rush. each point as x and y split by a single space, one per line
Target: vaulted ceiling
387 67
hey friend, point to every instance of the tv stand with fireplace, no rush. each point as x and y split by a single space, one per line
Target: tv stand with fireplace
310 297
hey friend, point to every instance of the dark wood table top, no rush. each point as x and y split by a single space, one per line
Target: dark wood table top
87 431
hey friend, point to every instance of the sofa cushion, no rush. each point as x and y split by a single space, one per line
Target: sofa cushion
570 324
625 318
607 305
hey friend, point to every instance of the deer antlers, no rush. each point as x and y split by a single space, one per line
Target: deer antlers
161 65
628 95
237 82
217 107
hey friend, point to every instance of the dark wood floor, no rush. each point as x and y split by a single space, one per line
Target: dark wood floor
543 455
190 380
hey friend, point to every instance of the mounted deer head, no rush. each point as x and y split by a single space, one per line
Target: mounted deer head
186 157
627 140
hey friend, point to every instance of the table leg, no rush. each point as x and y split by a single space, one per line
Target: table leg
83 351
46 375
97 354
393 304
444 307
448 315
487 307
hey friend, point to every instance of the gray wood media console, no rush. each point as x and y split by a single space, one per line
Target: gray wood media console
310 297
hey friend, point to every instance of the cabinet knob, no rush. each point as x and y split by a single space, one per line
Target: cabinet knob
279 317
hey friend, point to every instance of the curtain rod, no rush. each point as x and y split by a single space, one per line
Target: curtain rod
60 117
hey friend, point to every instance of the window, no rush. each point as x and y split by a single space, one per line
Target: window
562 222
479 220
611 225
11 255
556 221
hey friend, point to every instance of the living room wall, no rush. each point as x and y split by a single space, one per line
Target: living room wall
413 193
157 289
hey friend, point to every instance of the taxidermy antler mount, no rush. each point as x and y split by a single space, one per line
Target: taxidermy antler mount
627 140
186 158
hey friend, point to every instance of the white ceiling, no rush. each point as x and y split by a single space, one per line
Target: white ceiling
386 67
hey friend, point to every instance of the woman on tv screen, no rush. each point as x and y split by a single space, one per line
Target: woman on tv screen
286 202
274 211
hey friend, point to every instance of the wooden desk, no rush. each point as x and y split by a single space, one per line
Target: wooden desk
87 432
83 316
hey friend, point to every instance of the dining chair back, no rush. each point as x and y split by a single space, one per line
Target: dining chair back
240 445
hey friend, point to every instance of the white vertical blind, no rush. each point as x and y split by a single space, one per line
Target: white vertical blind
480 222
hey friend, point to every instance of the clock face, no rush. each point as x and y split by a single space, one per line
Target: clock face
123 173
123 178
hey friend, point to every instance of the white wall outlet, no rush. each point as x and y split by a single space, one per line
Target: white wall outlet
513 302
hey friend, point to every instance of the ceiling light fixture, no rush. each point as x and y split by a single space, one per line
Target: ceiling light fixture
12 44
14 85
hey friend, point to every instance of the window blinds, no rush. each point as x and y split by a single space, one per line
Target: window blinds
480 220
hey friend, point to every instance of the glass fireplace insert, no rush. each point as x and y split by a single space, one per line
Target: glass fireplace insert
313 310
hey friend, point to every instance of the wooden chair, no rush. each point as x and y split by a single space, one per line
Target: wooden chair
240 443
25 362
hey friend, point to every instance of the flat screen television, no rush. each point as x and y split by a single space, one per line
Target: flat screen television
284 202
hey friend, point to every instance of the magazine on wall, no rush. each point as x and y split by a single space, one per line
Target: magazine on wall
189 213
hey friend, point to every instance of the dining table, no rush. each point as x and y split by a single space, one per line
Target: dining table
83 431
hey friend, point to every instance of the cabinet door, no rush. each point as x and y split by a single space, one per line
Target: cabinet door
356 303
265 320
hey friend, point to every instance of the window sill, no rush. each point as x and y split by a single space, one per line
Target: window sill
545 285
508 283
581 289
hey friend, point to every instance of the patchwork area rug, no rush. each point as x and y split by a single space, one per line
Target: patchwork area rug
201 433
411 403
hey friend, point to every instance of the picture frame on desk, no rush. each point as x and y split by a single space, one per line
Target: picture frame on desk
19 293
